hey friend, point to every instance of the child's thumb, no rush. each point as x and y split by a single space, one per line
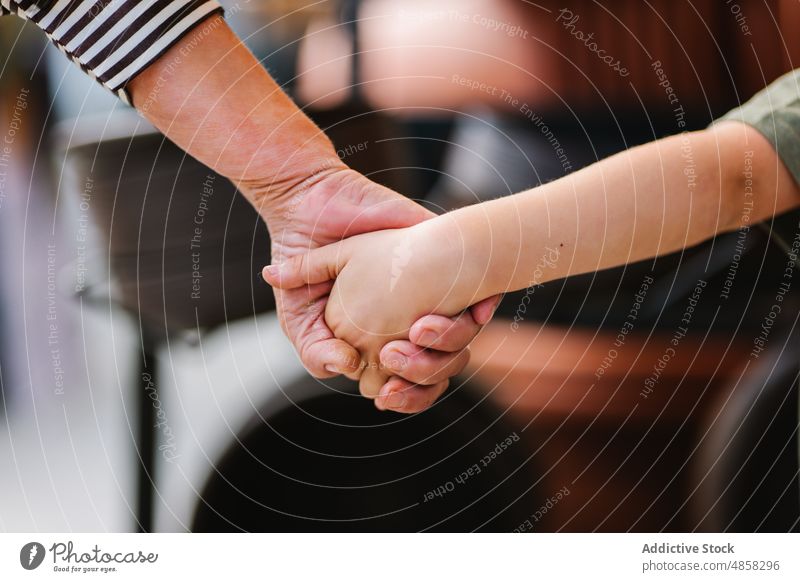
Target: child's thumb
317 266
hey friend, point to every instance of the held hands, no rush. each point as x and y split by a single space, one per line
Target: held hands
305 211
384 282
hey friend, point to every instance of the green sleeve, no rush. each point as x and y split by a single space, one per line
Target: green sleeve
775 113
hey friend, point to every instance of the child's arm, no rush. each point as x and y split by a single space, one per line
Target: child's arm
647 201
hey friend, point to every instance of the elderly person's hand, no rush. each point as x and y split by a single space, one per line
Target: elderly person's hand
344 203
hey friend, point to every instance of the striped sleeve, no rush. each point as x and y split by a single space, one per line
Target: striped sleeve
113 40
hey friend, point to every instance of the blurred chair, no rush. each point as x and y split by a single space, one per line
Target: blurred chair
746 469
333 463
183 247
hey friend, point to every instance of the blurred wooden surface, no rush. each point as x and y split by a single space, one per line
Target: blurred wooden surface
623 457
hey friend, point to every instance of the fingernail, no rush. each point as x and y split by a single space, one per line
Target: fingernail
397 361
272 270
394 401
427 337
331 369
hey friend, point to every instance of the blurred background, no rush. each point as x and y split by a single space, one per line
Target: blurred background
146 385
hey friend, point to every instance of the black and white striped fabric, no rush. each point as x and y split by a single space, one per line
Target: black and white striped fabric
113 40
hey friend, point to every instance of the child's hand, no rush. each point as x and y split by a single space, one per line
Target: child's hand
385 281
